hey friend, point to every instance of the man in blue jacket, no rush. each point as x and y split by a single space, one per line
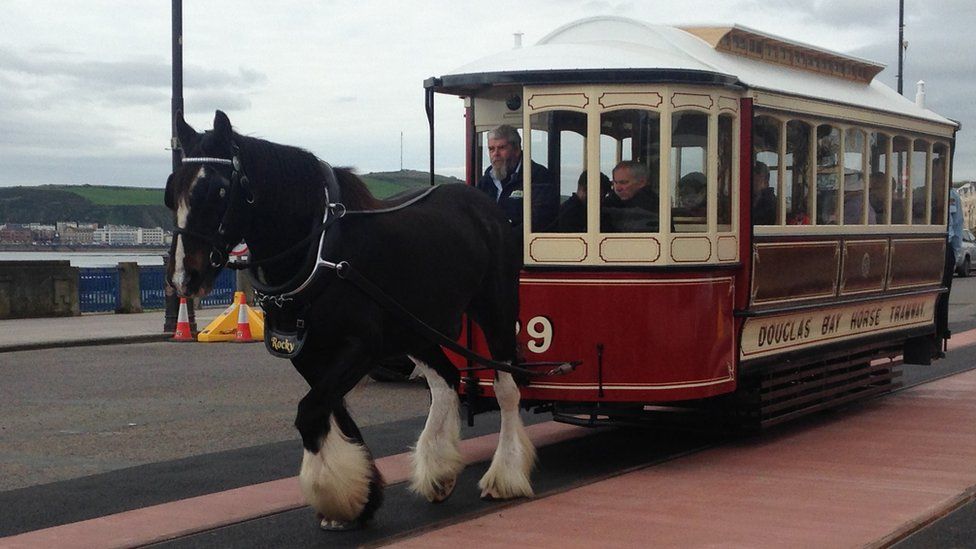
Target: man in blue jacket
503 181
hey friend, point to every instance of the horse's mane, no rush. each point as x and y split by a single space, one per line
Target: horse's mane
297 175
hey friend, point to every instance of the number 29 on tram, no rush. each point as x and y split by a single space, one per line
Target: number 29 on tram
790 243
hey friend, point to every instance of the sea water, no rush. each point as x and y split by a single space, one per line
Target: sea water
93 258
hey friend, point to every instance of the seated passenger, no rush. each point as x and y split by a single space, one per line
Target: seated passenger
763 196
503 180
692 193
572 212
877 196
632 205
854 203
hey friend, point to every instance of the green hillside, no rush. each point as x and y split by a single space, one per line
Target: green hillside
143 207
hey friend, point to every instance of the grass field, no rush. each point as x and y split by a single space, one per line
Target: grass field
116 196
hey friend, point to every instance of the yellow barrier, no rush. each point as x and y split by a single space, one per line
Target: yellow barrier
224 327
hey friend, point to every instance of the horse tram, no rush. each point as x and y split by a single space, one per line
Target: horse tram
721 309
790 243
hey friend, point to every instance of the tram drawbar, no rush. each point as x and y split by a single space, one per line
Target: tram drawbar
789 245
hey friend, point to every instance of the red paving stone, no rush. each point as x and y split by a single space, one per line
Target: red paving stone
862 477
188 516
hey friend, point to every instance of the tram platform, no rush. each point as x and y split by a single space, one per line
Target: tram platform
867 477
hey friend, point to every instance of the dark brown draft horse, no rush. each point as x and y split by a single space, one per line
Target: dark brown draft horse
446 253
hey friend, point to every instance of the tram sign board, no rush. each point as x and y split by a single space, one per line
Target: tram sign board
780 333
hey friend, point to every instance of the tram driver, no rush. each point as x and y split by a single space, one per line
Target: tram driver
632 205
503 180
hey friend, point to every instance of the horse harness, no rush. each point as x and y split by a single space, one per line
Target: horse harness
286 304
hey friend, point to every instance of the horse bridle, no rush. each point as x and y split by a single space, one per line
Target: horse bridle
220 246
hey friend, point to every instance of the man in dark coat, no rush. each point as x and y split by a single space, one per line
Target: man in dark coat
503 181
633 204
763 196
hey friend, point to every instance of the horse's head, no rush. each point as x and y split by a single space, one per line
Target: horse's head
208 194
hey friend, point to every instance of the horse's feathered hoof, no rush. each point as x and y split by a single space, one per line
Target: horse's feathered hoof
341 525
443 491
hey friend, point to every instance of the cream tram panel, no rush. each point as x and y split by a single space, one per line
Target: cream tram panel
541 101
691 249
666 247
558 249
686 100
727 248
630 250
643 100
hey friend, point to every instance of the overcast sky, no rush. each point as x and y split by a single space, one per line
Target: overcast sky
85 85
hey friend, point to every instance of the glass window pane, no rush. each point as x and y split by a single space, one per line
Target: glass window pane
940 167
688 173
765 170
558 142
726 169
919 177
797 163
828 157
900 207
879 190
631 203
854 144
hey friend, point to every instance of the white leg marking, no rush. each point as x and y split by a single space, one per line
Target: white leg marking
335 481
437 457
511 466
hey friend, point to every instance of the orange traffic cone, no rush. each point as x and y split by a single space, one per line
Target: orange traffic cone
183 331
243 325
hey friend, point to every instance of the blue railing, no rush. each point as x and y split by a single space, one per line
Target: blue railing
98 289
223 290
152 293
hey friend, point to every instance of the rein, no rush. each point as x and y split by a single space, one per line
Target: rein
334 211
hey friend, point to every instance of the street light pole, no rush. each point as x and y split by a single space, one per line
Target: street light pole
901 44
177 99
171 315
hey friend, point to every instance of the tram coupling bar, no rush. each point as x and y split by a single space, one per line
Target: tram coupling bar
557 368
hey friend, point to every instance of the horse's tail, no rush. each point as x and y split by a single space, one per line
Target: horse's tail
355 194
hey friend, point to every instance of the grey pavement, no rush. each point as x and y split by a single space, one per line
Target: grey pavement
21 334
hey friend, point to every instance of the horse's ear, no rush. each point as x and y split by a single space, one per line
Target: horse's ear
168 195
185 133
222 127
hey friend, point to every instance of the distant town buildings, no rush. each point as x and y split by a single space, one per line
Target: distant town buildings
71 233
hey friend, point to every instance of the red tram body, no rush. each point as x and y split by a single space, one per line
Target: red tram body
776 318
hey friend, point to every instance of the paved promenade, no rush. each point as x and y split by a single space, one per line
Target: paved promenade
22 334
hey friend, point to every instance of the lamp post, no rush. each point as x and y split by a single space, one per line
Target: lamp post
901 44
176 110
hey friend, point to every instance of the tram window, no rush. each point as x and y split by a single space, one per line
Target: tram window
879 189
919 178
689 172
854 144
726 169
940 155
900 207
558 143
797 162
828 157
765 170
633 203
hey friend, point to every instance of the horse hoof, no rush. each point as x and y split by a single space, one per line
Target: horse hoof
340 525
444 491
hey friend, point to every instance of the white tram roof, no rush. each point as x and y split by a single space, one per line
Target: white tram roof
616 49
